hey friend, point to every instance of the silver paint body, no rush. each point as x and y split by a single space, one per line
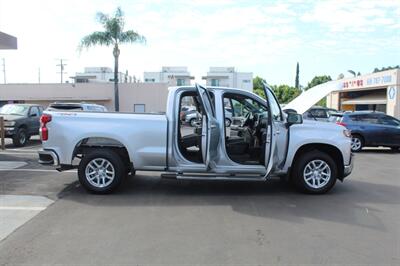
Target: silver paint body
151 139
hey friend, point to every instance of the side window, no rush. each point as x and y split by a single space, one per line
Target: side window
389 121
369 118
34 112
319 113
139 108
275 108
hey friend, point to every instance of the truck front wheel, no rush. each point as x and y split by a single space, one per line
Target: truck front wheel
101 171
315 172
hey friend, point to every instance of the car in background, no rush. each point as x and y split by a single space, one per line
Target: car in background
372 129
319 113
87 107
21 121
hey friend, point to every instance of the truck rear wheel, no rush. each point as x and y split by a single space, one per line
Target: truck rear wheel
315 172
101 171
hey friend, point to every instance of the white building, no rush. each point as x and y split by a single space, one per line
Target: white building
100 75
178 76
228 77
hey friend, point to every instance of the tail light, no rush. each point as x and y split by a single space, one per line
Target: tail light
341 124
44 132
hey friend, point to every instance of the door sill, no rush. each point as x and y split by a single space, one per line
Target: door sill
213 176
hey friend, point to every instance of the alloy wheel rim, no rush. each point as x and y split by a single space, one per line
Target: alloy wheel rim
317 174
22 138
100 172
355 143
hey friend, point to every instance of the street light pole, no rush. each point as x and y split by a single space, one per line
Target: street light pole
61 65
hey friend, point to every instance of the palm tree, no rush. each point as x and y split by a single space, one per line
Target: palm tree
113 35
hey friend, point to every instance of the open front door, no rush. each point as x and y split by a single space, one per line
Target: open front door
270 140
210 129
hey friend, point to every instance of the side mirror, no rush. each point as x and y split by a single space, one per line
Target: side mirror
294 118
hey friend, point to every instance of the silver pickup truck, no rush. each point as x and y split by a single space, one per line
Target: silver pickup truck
106 147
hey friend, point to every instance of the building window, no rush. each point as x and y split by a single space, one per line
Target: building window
180 82
139 108
246 81
215 82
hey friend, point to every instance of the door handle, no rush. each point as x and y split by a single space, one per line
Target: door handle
277 132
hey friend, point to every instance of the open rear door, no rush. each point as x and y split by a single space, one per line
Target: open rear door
270 140
210 129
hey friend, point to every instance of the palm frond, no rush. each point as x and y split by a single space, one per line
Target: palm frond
96 38
131 36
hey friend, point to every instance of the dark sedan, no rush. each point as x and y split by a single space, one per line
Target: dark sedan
371 129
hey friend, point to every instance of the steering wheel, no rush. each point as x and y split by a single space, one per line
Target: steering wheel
246 120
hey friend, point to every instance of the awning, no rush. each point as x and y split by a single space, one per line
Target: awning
308 98
7 41
367 99
215 77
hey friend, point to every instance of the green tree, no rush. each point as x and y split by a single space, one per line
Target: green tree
113 35
258 86
316 81
297 81
284 93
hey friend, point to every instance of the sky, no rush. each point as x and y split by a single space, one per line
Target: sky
267 38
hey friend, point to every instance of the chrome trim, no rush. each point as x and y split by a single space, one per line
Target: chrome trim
53 155
349 168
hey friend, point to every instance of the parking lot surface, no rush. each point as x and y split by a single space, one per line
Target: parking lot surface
169 222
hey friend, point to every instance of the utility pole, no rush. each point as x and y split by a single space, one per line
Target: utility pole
61 65
39 75
4 70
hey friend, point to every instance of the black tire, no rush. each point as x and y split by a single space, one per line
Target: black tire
228 122
360 140
20 138
298 171
117 166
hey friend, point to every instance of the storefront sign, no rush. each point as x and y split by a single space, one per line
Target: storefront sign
359 83
392 93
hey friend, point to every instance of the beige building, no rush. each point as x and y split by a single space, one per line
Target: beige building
134 97
377 91
173 75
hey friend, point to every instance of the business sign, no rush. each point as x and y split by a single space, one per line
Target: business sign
368 82
391 93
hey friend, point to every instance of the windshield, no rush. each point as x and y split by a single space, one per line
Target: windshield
12 109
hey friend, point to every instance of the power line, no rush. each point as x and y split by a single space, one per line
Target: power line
61 65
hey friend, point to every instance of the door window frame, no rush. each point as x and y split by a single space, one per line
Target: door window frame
247 95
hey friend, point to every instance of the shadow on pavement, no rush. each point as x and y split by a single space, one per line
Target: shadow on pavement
379 150
32 143
347 203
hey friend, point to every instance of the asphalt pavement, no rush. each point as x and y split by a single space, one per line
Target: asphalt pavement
168 222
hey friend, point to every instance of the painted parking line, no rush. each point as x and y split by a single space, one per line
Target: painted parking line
18 152
36 170
16 210
6 165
